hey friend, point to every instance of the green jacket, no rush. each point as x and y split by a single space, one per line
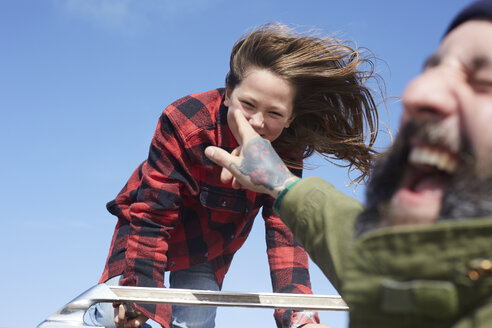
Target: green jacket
422 276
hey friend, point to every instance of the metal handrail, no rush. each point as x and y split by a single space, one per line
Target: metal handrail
72 314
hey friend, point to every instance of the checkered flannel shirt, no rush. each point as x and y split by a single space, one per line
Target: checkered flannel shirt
174 212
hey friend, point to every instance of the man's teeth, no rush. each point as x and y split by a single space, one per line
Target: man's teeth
442 160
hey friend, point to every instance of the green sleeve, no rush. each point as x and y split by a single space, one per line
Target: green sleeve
322 219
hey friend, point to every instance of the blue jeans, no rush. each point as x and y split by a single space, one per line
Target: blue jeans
201 277
198 277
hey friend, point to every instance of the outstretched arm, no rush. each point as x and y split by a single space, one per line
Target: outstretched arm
254 165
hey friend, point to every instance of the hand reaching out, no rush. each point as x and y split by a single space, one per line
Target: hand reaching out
254 164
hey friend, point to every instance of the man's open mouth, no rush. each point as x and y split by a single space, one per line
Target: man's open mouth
426 177
429 167
433 157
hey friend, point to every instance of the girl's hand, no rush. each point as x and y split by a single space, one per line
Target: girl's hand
122 319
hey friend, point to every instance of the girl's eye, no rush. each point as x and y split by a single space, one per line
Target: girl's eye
247 103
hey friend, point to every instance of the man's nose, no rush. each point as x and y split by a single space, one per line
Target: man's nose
430 95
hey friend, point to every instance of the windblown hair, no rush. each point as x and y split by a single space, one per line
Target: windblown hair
334 110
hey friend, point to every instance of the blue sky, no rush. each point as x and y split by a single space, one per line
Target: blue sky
82 84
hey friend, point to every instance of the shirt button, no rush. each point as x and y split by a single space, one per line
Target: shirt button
206 254
173 264
224 203
232 236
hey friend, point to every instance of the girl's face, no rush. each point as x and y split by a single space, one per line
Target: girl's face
265 99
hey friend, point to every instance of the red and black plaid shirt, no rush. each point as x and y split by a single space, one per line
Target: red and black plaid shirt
174 212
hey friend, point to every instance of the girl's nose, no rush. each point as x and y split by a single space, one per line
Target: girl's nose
256 120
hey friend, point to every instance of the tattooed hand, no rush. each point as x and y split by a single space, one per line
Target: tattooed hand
254 164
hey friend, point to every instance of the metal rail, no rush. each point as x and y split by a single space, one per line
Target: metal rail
72 314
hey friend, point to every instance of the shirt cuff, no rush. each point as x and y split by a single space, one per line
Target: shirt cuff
281 195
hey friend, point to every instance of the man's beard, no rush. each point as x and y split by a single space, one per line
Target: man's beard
467 195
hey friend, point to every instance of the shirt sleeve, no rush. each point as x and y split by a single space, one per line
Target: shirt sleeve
166 175
289 266
323 219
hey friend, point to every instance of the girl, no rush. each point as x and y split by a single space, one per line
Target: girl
305 94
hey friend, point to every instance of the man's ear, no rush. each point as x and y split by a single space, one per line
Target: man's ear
227 98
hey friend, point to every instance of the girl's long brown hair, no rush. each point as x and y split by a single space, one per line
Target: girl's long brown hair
335 113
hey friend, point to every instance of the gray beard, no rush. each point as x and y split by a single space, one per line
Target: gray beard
468 195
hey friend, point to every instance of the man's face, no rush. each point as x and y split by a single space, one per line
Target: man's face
441 163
